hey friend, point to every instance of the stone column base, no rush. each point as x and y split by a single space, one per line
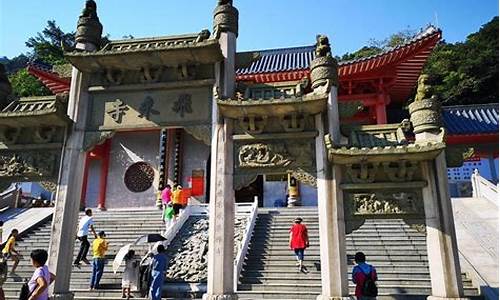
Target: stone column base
62 296
220 297
323 297
446 298
293 202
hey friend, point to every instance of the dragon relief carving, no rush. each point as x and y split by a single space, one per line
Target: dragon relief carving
282 155
263 155
386 203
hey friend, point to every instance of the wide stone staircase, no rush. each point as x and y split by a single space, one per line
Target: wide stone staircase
398 252
121 227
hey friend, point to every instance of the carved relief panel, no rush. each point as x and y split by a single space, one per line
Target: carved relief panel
277 156
33 165
406 204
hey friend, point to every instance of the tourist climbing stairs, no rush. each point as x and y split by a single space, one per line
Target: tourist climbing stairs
121 227
398 252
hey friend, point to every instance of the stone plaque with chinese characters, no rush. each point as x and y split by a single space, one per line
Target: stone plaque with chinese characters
150 109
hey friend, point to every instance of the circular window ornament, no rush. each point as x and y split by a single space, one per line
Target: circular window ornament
139 177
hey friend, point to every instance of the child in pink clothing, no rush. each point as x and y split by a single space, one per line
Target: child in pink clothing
166 195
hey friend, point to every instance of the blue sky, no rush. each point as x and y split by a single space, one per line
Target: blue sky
263 23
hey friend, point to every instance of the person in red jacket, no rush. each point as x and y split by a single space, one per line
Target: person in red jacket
360 273
299 241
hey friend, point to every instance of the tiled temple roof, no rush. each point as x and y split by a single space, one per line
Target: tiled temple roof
471 119
55 79
279 60
299 58
404 62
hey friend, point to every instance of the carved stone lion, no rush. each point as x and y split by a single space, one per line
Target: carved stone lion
423 88
90 10
322 46
225 2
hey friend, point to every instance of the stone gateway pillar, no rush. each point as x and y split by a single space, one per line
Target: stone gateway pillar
442 250
330 197
220 282
65 219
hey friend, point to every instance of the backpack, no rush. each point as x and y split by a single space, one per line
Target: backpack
369 287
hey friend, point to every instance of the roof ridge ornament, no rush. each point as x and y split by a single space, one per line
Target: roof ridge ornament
89 29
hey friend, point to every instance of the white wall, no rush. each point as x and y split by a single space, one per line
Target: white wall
128 148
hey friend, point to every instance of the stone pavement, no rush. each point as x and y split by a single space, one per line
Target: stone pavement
476 223
23 218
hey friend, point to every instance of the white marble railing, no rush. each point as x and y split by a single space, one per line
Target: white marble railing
174 229
483 188
251 210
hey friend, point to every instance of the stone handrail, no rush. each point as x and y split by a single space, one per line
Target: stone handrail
483 188
242 251
174 229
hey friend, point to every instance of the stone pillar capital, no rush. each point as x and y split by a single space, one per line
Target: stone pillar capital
324 67
225 18
88 28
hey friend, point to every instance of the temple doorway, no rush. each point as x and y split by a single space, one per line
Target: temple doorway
248 193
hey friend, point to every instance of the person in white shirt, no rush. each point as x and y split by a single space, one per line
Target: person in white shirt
86 223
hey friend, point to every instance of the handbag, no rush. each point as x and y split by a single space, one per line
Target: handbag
25 291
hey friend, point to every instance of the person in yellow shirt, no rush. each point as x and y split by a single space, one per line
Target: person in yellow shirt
99 248
9 250
177 200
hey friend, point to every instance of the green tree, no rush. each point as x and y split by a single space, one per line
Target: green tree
16 63
46 45
378 46
25 85
467 72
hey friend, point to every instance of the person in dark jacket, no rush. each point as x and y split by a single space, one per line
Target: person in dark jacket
360 273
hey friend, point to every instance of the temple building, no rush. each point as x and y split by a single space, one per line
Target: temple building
372 90
368 89
287 127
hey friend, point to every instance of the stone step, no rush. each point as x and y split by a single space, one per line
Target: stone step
374 258
423 288
120 228
315 233
291 279
270 294
270 247
316 274
349 238
289 267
